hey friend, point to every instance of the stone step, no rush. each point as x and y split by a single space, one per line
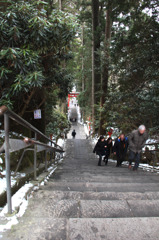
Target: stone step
119 209
103 178
70 208
102 187
114 229
88 229
76 195
103 174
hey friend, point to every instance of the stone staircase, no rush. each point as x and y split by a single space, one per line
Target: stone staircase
83 201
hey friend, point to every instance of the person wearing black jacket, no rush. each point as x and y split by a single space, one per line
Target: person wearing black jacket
120 149
108 150
100 149
73 133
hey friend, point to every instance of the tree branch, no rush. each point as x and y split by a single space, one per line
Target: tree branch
27 102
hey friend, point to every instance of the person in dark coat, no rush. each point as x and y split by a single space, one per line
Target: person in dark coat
120 149
137 140
74 133
100 149
108 150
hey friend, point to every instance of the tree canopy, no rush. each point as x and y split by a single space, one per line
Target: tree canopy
128 63
33 45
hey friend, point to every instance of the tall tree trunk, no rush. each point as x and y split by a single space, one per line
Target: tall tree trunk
83 74
96 77
83 78
93 97
105 71
60 4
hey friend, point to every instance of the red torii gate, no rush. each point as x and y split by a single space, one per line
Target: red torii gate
71 95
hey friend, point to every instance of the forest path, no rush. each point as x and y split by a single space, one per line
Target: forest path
82 201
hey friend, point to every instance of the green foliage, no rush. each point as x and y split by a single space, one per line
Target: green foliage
84 98
134 97
33 46
58 124
133 91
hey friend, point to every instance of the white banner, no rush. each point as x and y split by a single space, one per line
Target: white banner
37 114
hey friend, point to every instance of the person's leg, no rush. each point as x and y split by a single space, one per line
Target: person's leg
106 159
137 161
118 161
122 159
100 159
131 158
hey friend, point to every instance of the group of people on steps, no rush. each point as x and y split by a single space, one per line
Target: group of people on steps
134 142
